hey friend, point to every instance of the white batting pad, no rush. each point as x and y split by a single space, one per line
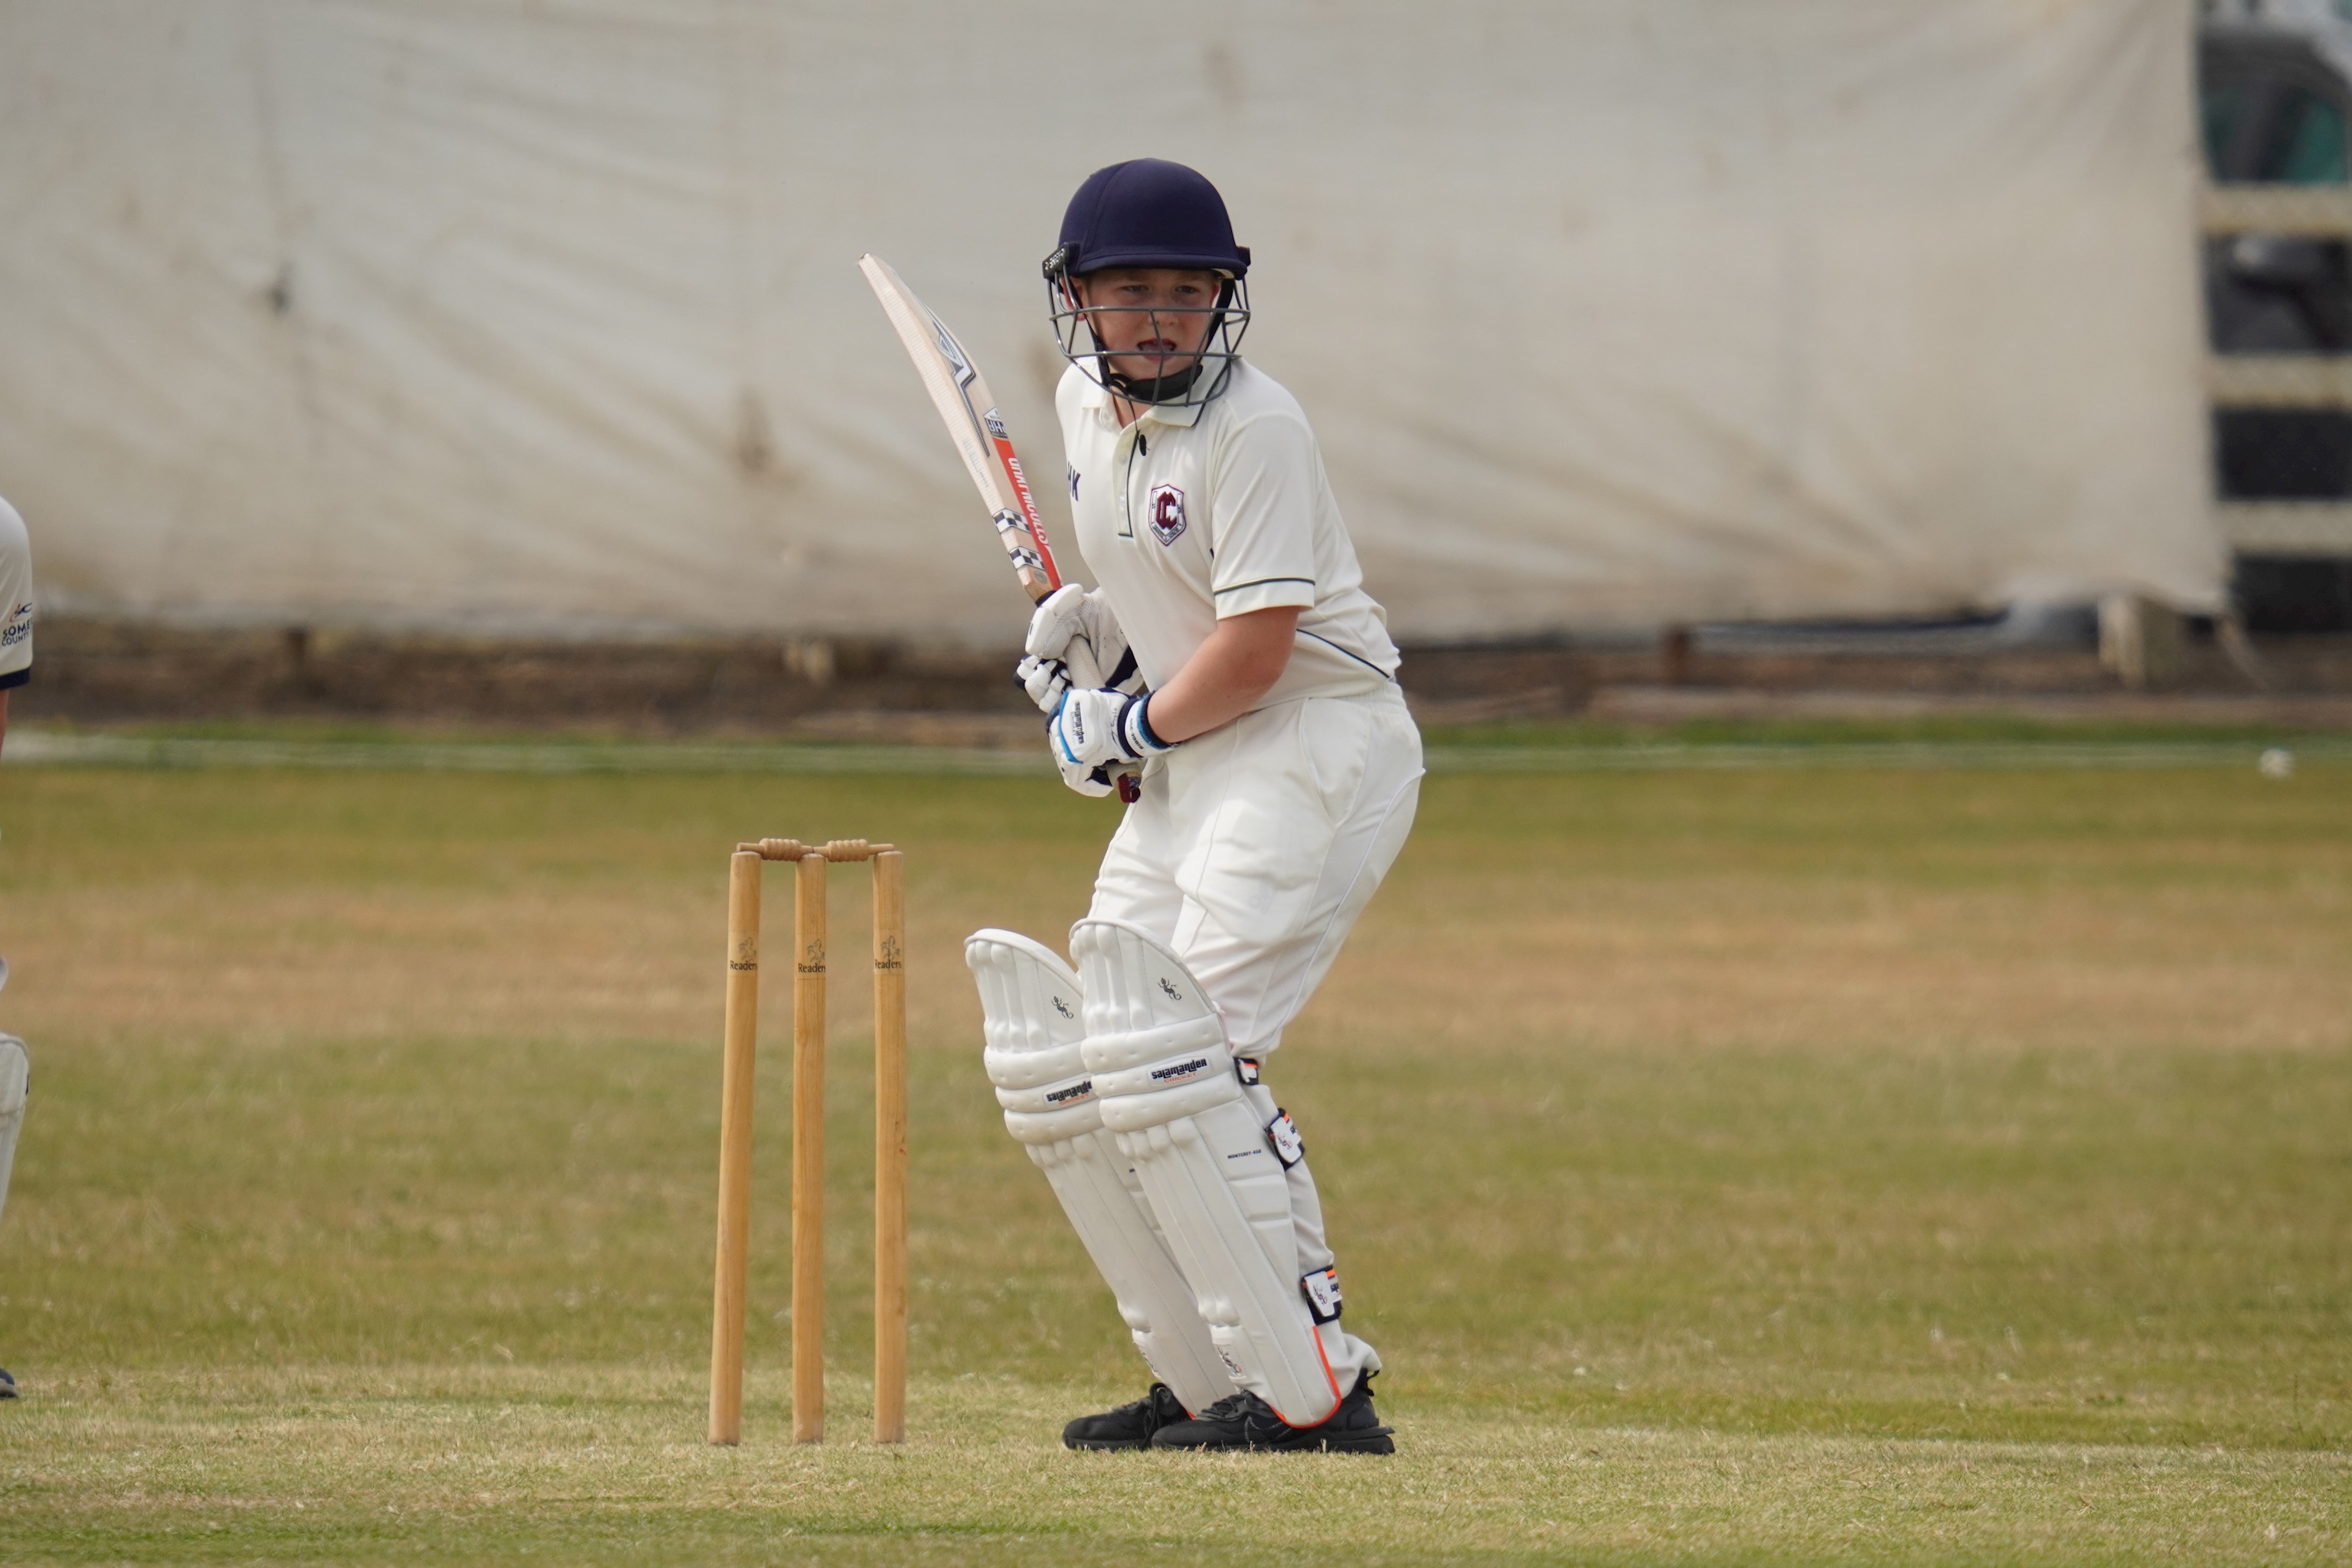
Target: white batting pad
1032 1021
1033 1024
15 1070
1174 1102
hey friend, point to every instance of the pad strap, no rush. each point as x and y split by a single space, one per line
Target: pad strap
1321 1289
1283 1133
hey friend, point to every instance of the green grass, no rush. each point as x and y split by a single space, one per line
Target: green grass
1751 1166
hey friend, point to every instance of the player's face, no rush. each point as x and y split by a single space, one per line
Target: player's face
1153 319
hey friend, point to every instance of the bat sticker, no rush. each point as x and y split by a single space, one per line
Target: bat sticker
954 352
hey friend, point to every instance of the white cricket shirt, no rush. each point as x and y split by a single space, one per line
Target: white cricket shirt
1190 515
16 599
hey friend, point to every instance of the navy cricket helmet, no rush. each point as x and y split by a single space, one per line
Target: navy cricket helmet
1149 211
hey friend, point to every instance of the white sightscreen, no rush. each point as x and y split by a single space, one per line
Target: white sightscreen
545 316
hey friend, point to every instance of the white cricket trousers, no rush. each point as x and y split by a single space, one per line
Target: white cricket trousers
1256 846
1251 853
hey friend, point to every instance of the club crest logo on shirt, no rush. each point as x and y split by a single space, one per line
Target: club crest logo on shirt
1166 512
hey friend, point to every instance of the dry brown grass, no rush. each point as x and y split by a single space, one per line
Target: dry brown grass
1593 925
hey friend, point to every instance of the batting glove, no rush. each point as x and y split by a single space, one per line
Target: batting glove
1087 781
1073 642
1059 617
1100 728
1046 681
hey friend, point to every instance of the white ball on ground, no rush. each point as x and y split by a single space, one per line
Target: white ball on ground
2277 762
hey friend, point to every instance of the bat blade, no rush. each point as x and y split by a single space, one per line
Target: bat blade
964 406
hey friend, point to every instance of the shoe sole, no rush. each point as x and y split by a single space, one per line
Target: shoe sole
1354 1443
1088 1446
1381 1442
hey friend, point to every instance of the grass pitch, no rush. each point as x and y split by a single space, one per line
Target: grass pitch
1759 1165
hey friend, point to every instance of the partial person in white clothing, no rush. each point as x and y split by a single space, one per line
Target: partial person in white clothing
1231 656
16 668
16 608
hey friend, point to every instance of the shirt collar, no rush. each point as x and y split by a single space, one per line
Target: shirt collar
1098 397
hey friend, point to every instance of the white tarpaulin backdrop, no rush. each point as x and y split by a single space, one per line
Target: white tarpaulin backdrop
519 316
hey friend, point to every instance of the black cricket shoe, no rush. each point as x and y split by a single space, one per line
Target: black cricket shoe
7 1386
1244 1421
1129 1425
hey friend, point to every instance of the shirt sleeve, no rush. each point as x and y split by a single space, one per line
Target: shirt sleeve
1263 535
15 600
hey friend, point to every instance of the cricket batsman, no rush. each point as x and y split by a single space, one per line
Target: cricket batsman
1231 658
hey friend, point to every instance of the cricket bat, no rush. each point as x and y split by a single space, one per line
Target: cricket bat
973 424
981 440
